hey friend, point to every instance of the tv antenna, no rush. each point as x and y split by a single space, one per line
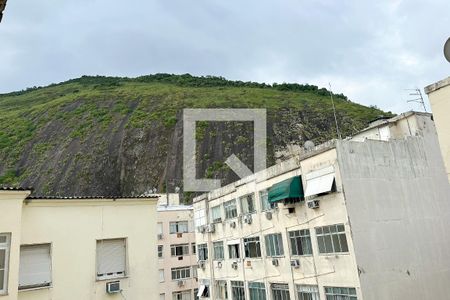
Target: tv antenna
417 93
334 113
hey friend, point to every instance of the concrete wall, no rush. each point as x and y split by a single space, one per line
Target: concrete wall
165 215
72 227
398 201
439 96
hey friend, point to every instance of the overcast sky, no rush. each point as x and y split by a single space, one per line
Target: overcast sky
369 50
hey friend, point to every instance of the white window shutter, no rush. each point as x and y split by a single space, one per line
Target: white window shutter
35 266
111 258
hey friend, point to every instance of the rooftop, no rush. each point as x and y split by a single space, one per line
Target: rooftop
437 85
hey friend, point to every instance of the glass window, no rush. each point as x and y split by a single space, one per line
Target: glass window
274 244
280 291
248 203
4 261
181 273
307 292
252 247
257 290
202 251
300 242
341 293
230 209
182 295
237 290
221 290
160 228
233 251
160 251
179 227
216 214
218 250
162 296
332 239
161 275
179 250
194 249
199 217
111 258
265 204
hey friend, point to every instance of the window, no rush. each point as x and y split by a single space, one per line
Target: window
196 297
230 209
280 291
160 228
161 275
237 290
160 251
4 261
179 250
179 227
35 267
216 214
265 204
203 291
181 273
111 258
221 290
162 296
300 242
233 250
183 295
257 290
340 293
194 271
194 249
218 250
332 239
274 245
307 292
199 217
320 182
252 247
202 252
248 204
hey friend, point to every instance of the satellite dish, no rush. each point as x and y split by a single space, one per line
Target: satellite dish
309 145
447 50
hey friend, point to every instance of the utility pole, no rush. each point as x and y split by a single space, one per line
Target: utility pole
417 93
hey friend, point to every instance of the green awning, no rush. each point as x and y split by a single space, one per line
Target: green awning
290 189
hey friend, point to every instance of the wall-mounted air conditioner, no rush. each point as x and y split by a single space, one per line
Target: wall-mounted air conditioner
233 224
202 264
234 265
313 204
180 283
295 263
160 236
275 262
201 229
248 219
211 228
268 215
219 264
113 287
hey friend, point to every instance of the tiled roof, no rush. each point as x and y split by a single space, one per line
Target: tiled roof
90 197
2 8
15 188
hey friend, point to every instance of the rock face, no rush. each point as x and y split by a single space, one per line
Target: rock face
104 136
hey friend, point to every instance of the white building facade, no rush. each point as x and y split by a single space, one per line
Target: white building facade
355 219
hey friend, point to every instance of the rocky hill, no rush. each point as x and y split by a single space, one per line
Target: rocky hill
116 136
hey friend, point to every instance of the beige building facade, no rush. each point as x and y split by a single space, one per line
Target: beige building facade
439 96
75 248
350 219
177 262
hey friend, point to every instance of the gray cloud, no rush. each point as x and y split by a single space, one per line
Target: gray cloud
370 51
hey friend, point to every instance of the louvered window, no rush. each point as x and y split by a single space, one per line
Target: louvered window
111 258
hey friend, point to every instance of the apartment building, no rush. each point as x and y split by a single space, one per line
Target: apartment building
439 96
77 248
361 218
177 261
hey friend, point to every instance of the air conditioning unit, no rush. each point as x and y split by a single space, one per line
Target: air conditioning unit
179 235
268 215
113 287
313 204
211 228
202 264
248 219
234 265
219 264
180 283
233 224
249 263
295 263
275 262
201 229
160 236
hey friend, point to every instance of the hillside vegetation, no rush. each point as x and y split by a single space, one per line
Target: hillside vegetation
121 136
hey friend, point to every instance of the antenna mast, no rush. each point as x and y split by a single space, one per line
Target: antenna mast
418 93
334 113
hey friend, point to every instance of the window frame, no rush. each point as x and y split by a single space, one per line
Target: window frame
202 252
177 227
114 276
221 289
236 251
179 270
313 291
214 218
259 288
37 285
343 296
330 236
237 290
280 287
248 242
7 247
230 209
248 209
219 245
269 241
300 236
174 247
181 295
160 251
163 277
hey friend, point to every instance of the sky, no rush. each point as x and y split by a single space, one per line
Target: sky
372 51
